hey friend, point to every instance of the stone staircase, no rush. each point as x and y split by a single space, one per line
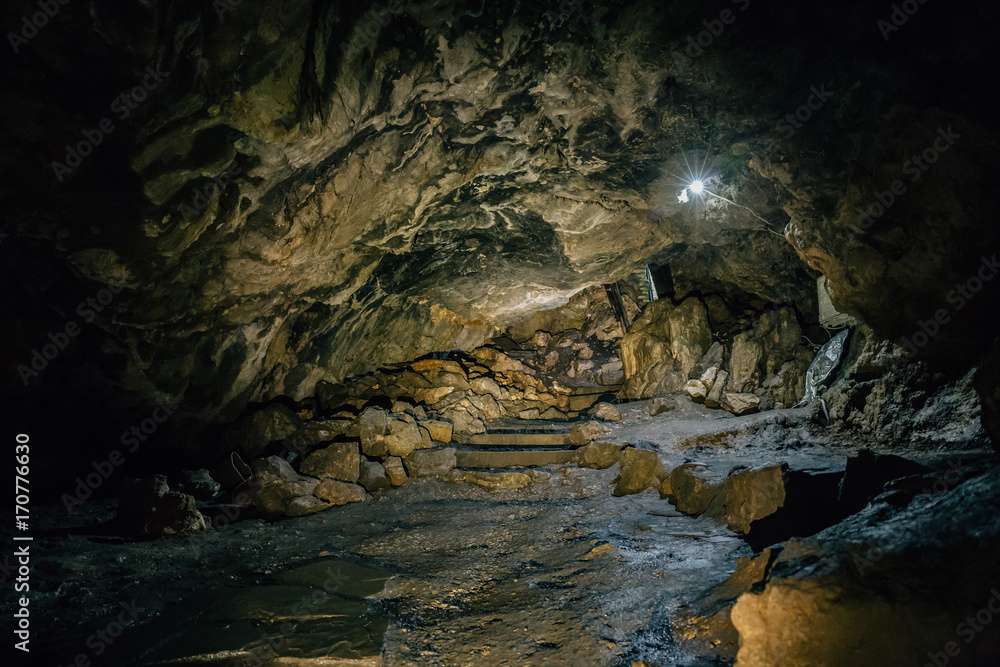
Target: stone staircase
518 443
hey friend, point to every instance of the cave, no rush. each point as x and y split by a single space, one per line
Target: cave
450 332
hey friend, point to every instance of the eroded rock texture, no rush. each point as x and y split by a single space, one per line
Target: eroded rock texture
302 191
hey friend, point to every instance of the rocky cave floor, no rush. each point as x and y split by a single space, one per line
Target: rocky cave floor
559 573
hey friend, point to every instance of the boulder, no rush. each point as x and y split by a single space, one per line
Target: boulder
638 470
373 476
148 506
540 339
339 460
704 626
403 438
581 434
745 364
740 404
530 413
696 390
606 412
394 470
748 495
714 398
333 492
485 386
373 426
441 431
280 491
780 334
463 422
270 423
198 483
690 334
598 455
693 487
887 586
430 462
714 358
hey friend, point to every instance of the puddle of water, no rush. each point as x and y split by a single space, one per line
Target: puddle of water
314 614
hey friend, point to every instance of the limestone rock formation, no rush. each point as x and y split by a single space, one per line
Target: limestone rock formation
148 506
638 470
339 460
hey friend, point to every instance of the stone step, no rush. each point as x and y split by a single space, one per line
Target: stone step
587 390
515 439
522 459
527 426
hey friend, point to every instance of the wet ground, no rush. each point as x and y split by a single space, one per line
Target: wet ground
432 573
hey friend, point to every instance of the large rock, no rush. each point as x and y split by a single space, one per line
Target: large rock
740 404
484 385
605 412
581 434
373 476
663 346
403 438
340 460
394 470
745 364
917 585
694 486
598 455
148 506
430 462
638 471
690 334
440 431
198 483
280 491
270 423
463 422
332 492
748 495
704 626
714 398
373 426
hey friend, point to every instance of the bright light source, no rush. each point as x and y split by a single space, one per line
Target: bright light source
697 187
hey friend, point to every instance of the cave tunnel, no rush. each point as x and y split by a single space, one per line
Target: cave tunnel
550 332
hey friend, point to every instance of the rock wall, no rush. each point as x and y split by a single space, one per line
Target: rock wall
300 192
